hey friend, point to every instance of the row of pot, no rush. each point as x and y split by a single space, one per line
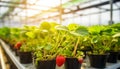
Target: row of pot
96 61
68 63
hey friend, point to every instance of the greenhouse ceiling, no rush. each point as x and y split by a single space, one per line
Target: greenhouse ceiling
32 8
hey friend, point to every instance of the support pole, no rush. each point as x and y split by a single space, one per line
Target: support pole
1 20
111 13
60 10
9 21
99 15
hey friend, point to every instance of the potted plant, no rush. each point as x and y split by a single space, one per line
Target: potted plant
114 46
17 47
25 54
100 44
27 36
69 44
15 38
44 58
57 46
45 52
114 49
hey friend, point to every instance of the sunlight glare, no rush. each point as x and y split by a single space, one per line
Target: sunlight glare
41 5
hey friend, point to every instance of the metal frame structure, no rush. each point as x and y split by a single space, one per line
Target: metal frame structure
62 11
111 2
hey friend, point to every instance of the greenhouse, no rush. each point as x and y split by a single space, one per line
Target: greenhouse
59 34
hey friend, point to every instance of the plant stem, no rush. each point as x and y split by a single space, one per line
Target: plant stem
75 48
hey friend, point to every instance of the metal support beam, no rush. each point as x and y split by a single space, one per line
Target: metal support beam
102 8
91 6
111 13
95 5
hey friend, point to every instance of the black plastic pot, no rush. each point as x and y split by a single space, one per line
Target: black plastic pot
72 63
16 52
12 47
48 64
25 57
119 56
112 58
98 61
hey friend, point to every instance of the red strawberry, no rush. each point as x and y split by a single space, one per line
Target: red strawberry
17 45
60 60
80 60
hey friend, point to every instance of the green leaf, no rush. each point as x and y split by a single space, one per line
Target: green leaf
82 31
114 40
53 24
116 35
67 52
95 39
73 26
74 33
45 25
107 31
95 30
30 34
60 27
39 47
116 26
48 47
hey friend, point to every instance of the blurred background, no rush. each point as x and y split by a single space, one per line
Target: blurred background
17 13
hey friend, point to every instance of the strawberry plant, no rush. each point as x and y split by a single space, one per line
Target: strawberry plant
70 41
100 39
5 33
45 42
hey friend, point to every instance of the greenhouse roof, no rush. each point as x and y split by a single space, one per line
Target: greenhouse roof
32 7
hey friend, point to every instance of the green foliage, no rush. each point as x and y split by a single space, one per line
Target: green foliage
95 30
45 25
15 32
61 28
72 26
51 39
82 31
116 26
102 39
5 32
116 42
